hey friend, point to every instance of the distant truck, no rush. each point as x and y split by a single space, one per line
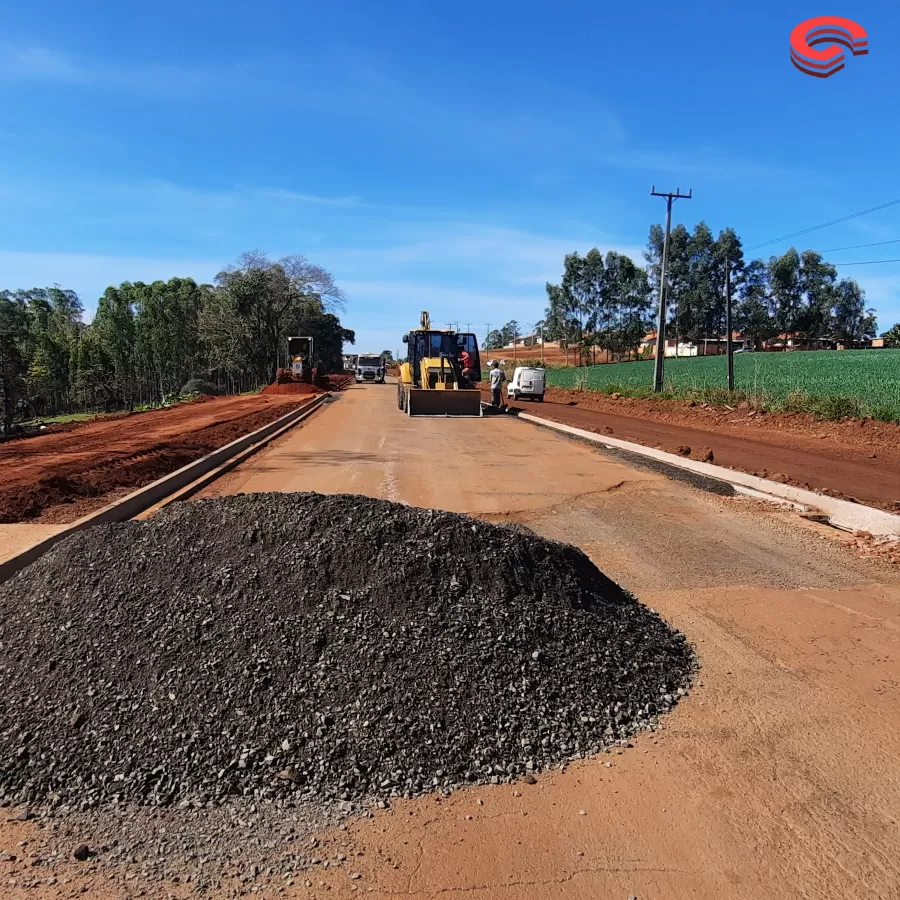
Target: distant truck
369 367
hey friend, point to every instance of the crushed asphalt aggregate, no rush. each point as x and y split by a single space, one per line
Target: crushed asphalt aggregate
308 649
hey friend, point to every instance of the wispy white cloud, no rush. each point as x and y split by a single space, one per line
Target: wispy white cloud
697 162
460 272
301 197
152 209
489 120
513 255
39 62
35 62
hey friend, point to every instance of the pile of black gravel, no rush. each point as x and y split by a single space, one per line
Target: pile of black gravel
300 646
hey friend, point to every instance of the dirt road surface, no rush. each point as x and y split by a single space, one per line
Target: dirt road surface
854 459
60 477
776 777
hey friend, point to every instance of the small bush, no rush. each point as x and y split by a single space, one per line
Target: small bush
199 386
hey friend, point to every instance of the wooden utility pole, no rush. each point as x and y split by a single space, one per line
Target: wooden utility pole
659 362
729 344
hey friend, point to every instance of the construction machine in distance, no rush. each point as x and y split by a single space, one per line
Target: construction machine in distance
433 380
300 354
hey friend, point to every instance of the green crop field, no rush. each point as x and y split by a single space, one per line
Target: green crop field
831 384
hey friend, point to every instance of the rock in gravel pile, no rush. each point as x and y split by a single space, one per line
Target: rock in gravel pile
297 647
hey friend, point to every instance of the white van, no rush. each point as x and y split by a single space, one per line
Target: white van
526 384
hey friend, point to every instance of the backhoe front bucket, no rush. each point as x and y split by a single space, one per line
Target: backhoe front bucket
426 402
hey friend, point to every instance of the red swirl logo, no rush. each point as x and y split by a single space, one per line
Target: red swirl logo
829 30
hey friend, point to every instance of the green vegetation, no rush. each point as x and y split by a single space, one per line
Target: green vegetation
147 341
199 386
829 384
609 303
64 419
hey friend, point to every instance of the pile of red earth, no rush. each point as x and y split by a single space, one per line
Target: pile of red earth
292 387
326 383
301 647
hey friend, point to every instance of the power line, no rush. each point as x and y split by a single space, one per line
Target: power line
860 246
855 215
868 262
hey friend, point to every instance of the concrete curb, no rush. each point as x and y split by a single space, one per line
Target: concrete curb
841 513
149 495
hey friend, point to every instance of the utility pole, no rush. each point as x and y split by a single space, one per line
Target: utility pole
729 344
487 335
515 335
542 345
660 361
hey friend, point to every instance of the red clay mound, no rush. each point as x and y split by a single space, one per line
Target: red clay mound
286 385
293 387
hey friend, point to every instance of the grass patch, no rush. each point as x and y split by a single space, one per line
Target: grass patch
827 384
66 418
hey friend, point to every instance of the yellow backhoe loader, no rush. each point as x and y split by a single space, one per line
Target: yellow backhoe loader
441 374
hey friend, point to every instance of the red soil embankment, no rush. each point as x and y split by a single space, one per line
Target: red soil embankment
69 473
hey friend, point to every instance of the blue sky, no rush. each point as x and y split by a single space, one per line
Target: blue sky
432 156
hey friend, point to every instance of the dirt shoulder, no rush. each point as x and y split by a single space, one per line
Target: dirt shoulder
856 459
61 476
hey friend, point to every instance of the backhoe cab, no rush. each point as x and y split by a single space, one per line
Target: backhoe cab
435 380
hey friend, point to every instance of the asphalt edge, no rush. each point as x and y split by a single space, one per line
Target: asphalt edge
841 513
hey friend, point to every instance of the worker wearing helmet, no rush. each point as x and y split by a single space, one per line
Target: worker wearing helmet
498 376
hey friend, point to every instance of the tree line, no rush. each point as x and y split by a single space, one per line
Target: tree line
146 341
610 303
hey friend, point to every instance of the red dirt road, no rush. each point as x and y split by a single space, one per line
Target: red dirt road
61 476
857 459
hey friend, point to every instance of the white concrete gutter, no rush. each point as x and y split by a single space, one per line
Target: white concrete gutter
841 513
